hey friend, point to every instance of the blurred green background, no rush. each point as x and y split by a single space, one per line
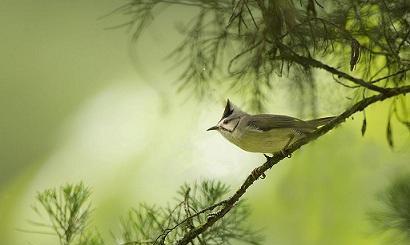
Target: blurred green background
75 105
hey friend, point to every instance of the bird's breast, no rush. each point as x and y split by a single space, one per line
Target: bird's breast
261 141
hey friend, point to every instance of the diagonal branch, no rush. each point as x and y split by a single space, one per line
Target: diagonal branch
309 61
260 171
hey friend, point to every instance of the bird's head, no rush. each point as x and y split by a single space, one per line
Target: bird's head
230 118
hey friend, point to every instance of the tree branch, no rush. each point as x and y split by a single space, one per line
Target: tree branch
260 171
309 61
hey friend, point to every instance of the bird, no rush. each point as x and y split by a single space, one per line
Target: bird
264 133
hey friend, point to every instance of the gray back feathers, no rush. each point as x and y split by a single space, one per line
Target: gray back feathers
266 122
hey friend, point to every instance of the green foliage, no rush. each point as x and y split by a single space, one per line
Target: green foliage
165 225
68 211
394 214
91 238
248 44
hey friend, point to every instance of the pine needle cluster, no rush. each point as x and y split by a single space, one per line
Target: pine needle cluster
68 211
247 45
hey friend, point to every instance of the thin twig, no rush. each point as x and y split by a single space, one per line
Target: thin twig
250 13
391 75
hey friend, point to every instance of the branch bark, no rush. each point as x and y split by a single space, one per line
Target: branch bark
260 171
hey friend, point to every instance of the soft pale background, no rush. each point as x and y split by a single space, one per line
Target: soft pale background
75 105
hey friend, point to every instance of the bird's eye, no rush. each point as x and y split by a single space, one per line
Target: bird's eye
225 121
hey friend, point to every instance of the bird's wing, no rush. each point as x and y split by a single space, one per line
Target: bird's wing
266 122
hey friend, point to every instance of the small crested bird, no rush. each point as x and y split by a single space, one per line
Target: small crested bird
264 133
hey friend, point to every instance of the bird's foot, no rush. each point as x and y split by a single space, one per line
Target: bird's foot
258 172
267 157
286 153
211 215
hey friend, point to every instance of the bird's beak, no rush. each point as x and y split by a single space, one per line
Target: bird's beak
213 128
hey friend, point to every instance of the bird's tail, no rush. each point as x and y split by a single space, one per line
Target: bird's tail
320 121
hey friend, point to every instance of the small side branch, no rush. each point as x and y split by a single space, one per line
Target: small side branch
391 75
